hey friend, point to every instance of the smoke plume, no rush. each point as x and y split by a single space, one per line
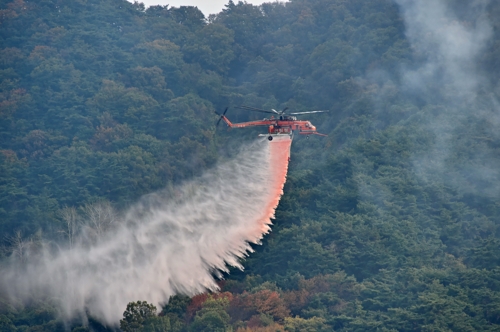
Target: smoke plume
170 242
449 39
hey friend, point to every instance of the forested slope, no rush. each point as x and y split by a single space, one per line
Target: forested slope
389 223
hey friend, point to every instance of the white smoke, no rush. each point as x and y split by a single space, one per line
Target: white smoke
449 38
170 242
449 43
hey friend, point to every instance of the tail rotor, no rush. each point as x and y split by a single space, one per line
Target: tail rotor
220 116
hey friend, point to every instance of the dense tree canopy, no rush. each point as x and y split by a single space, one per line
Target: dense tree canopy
390 223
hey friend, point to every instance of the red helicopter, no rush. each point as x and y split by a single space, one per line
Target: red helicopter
282 124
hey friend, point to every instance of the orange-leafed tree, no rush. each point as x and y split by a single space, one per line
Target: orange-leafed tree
270 302
246 305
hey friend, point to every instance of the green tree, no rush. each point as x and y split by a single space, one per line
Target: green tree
297 324
212 317
136 315
6 324
213 48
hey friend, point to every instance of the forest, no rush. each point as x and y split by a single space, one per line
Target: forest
391 223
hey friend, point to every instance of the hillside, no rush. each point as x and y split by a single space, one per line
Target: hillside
391 223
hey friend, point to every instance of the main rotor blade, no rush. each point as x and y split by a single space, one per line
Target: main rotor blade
248 108
308 112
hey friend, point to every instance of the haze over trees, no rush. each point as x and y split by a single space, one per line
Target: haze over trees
389 223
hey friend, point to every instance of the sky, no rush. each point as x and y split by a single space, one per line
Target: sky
206 6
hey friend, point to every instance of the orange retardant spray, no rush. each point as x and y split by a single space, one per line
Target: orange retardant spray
279 154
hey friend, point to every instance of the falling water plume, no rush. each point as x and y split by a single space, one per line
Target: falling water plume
170 242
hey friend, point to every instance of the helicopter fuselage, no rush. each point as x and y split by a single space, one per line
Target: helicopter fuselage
281 125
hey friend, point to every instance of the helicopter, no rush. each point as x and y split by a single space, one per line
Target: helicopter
278 124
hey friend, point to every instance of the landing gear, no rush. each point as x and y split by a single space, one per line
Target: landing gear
270 138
